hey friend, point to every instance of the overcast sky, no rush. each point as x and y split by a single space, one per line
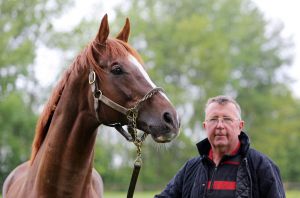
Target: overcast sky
286 11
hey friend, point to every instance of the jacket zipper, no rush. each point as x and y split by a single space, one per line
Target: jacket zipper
249 174
212 179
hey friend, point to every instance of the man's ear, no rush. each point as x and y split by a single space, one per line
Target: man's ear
241 124
204 125
103 31
124 34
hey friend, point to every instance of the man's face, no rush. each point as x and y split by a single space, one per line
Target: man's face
223 125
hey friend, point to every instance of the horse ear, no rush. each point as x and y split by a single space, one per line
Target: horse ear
124 34
103 30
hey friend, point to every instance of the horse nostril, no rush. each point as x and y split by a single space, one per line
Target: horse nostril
168 118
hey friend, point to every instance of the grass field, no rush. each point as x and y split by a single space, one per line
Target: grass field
289 194
124 194
293 194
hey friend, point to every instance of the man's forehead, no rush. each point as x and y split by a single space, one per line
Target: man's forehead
215 108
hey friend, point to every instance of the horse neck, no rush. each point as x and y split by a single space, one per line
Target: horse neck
65 159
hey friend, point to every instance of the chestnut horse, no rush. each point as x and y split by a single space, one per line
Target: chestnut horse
61 163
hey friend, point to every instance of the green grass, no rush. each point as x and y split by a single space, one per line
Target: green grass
124 194
293 194
289 194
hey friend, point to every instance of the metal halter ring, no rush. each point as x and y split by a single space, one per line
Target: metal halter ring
92 77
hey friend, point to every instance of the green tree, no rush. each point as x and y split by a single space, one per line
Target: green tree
24 26
198 49
17 123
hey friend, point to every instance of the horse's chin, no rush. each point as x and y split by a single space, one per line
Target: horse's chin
159 134
165 138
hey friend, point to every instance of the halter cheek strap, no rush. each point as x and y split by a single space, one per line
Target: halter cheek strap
98 96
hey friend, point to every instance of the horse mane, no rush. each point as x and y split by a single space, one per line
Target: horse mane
114 48
45 118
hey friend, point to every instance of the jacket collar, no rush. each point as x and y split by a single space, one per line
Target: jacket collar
204 145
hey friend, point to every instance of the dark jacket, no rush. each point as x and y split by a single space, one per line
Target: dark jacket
257 176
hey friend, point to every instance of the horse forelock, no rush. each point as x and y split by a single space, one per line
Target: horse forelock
113 48
130 50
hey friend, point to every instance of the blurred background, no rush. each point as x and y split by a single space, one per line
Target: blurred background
194 49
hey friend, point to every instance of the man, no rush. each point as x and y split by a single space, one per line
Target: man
226 167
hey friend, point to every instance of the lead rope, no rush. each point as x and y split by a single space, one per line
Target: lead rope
136 170
138 142
132 115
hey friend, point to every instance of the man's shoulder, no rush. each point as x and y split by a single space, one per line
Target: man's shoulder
259 159
189 171
265 173
194 160
253 153
192 163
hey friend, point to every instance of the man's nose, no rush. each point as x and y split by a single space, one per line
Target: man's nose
220 123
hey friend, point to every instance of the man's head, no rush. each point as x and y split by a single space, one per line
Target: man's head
223 123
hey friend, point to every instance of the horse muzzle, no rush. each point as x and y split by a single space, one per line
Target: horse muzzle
162 130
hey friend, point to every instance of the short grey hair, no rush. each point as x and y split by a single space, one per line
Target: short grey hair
222 100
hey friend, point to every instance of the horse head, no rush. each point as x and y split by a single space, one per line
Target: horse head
122 79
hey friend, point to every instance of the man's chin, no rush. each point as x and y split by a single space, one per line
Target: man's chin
220 145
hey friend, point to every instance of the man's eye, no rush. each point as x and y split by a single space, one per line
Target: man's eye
117 69
228 120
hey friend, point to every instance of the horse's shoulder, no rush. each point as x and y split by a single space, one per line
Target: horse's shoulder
14 177
97 183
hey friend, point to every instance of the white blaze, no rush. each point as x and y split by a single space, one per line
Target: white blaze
136 63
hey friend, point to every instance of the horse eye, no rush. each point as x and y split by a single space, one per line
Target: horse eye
116 69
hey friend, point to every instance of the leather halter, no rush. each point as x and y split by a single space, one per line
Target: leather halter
131 115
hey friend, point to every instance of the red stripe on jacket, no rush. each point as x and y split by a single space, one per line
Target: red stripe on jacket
223 185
